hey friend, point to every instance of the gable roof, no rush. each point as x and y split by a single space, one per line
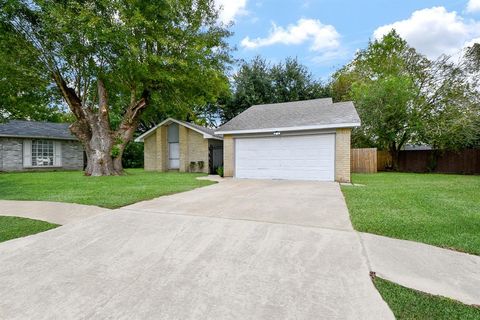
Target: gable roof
207 133
293 116
36 129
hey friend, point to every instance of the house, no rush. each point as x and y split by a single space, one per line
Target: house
304 140
182 146
29 145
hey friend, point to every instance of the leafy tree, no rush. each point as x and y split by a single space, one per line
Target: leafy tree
113 60
453 120
403 97
258 82
383 106
29 97
252 85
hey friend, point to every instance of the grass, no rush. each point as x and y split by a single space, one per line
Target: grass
16 227
438 209
411 304
108 192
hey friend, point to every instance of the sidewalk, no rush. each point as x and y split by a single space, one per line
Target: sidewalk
54 212
424 267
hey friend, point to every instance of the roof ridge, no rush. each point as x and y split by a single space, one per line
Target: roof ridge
35 121
293 102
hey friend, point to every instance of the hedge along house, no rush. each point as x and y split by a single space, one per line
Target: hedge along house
29 145
182 146
303 140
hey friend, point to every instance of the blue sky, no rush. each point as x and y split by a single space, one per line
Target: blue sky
324 34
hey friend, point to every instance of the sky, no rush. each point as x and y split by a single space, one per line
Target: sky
325 34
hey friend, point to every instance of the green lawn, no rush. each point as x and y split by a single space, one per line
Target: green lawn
411 304
109 192
438 209
16 227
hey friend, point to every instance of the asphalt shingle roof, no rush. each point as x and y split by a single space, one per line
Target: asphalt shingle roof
307 113
206 130
36 129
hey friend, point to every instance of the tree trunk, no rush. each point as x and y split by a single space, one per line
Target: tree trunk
103 147
394 153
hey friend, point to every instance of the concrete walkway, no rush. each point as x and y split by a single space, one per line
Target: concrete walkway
54 212
426 268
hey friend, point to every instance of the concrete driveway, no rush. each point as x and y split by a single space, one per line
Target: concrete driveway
235 250
303 203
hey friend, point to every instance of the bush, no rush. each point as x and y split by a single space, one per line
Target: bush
200 165
133 155
192 166
220 171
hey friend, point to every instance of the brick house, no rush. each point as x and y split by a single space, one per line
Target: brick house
183 146
30 146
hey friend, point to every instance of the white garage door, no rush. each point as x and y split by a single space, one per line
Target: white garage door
309 157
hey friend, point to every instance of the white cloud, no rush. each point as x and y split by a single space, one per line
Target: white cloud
229 9
322 37
434 31
473 6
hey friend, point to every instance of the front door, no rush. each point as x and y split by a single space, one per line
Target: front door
174 155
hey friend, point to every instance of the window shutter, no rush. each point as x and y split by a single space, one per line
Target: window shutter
27 153
57 159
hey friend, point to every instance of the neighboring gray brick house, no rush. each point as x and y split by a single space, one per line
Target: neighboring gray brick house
29 145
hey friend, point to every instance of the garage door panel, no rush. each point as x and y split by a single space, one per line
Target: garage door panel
309 157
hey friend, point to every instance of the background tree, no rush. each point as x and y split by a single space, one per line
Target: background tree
29 97
258 82
112 60
403 97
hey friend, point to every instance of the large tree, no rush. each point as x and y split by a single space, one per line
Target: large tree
112 60
258 82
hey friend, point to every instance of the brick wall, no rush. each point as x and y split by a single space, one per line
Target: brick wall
150 153
193 147
183 145
342 155
228 156
12 154
72 155
197 150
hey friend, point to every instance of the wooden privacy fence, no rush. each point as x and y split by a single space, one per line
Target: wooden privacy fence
364 160
465 161
384 160
369 160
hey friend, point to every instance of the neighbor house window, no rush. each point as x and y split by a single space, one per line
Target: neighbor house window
42 153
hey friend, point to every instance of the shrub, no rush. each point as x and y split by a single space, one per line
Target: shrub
200 165
192 166
133 155
220 171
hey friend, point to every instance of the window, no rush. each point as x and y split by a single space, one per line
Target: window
42 153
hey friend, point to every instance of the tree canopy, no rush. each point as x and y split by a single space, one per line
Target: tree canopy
403 97
258 82
112 61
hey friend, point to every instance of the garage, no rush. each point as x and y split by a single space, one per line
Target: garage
299 140
304 157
